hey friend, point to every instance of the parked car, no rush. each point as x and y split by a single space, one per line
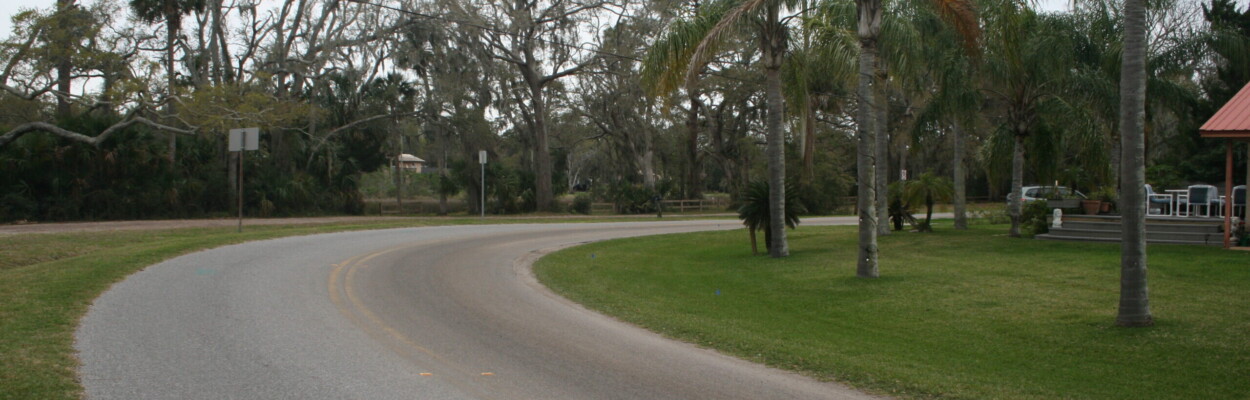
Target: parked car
1032 193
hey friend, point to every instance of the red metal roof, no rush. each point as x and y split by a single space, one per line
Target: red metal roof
1232 120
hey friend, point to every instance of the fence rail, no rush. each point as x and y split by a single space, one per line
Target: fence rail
669 206
695 205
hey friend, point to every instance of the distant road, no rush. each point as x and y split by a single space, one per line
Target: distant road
134 225
448 312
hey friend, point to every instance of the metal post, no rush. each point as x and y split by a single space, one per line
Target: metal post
483 207
481 159
241 140
240 191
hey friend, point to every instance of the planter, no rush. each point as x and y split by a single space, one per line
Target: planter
1105 207
1064 204
1091 207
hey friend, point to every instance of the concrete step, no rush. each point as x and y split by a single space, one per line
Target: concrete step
1106 228
1047 236
1204 227
1150 235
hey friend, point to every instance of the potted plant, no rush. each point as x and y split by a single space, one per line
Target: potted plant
1091 206
1107 196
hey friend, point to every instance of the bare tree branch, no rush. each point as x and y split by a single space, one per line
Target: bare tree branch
39 126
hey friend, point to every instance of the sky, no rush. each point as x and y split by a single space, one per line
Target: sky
10 7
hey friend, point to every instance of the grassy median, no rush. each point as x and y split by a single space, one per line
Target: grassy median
969 314
47 282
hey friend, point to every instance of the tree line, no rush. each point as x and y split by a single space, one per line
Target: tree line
119 109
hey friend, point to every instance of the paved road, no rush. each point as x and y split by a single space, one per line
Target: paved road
419 313
136 225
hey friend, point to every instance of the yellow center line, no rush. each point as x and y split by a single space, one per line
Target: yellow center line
340 286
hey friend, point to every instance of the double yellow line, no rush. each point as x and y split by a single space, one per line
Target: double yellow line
343 296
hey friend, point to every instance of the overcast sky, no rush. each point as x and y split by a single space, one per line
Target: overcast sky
10 7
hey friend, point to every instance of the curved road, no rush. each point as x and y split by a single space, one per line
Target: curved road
420 313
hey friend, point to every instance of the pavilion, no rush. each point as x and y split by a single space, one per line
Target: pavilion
1231 122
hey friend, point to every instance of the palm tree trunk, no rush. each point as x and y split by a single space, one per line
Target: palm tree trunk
809 142
866 265
773 49
755 251
869 26
768 239
960 197
883 145
928 213
1134 307
776 166
1017 183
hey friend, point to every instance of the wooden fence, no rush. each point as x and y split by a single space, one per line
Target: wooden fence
705 205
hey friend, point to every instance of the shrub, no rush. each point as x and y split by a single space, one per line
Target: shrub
1033 218
630 198
581 204
991 216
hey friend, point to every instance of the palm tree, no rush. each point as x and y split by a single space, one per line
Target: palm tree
1134 307
958 13
946 80
755 214
1027 63
709 29
928 189
171 11
900 208
819 71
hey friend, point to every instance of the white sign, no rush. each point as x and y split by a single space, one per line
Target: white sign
244 139
481 156
902 174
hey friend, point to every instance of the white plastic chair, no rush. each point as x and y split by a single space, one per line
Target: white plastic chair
1161 201
1204 196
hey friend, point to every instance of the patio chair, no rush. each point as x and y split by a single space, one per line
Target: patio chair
1239 200
1204 196
1160 201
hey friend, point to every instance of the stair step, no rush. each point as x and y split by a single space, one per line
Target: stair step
1150 235
1047 236
1150 227
1159 229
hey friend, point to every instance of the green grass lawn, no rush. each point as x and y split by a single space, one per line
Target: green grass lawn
969 314
47 282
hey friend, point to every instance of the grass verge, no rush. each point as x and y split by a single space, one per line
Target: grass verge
47 282
958 314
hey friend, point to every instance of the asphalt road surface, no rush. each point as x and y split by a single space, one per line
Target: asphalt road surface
420 313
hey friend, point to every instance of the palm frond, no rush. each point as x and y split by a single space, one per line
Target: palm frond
666 62
706 49
962 16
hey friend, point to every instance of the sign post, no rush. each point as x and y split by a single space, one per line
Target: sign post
481 159
242 139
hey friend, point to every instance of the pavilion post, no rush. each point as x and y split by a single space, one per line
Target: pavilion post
1228 192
